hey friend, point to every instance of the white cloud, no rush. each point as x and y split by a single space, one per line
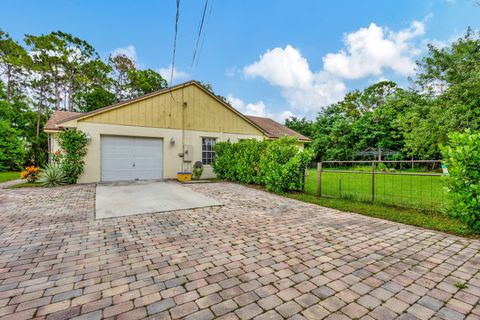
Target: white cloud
251 109
257 109
282 67
129 51
177 74
371 50
232 71
302 88
285 115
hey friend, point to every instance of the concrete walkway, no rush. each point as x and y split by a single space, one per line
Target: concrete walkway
130 198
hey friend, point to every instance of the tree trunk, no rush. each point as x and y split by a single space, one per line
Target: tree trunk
70 96
9 83
57 94
39 111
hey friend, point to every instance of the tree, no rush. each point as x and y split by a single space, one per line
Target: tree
11 148
48 60
97 91
20 117
61 71
446 97
145 81
363 119
12 63
209 87
76 53
301 125
121 65
95 99
63 61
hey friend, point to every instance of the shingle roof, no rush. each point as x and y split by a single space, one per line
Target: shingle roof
274 129
271 128
57 117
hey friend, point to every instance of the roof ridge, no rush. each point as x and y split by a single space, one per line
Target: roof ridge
274 129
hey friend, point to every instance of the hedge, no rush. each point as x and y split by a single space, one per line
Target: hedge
462 158
278 165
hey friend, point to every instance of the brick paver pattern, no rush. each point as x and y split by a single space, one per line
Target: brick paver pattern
260 256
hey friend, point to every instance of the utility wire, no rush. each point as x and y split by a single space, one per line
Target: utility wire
174 47
199 31
204 33
175 41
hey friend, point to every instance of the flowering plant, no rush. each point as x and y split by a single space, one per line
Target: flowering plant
30 173
57 156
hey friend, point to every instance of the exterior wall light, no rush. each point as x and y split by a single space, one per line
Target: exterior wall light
172 141
88 137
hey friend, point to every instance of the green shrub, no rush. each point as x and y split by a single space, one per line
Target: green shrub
278 165
462 158
282 166
238 161
73 146
11 148
220 163
52 175
197 170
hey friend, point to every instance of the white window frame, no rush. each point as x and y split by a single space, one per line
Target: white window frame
208 155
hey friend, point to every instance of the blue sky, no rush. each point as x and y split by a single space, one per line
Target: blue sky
272 58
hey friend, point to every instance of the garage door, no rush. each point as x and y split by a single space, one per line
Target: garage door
131 158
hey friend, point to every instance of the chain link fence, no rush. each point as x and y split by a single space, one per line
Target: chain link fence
407 183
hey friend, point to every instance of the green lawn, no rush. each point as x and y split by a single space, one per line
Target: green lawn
420 192
7 176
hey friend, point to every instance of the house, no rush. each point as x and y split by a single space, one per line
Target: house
159 134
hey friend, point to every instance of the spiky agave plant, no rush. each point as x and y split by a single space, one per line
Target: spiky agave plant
52 176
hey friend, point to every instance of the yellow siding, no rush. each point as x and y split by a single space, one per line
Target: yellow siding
202 113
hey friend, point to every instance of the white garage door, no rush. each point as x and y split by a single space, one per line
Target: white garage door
131 158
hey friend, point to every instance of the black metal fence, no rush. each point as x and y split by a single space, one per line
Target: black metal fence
406 183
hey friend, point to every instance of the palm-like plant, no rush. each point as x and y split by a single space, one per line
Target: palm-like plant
52 175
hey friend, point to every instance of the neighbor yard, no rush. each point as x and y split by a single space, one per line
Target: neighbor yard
409 190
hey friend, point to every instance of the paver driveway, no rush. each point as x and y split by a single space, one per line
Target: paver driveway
260 256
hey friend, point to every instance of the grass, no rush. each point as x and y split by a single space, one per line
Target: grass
419 192
427 220
26 185
8 176
461 285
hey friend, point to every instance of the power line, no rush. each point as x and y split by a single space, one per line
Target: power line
175 42
204 33
199 31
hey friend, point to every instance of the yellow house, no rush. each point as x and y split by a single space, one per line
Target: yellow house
157 135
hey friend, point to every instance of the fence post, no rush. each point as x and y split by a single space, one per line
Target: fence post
319 179
373 181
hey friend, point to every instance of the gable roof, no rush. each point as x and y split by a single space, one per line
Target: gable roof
57 117
275 130
269 127
156 93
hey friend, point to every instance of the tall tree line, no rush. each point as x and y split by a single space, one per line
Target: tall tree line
443 97
57 71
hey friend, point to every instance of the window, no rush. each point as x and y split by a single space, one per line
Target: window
207 150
